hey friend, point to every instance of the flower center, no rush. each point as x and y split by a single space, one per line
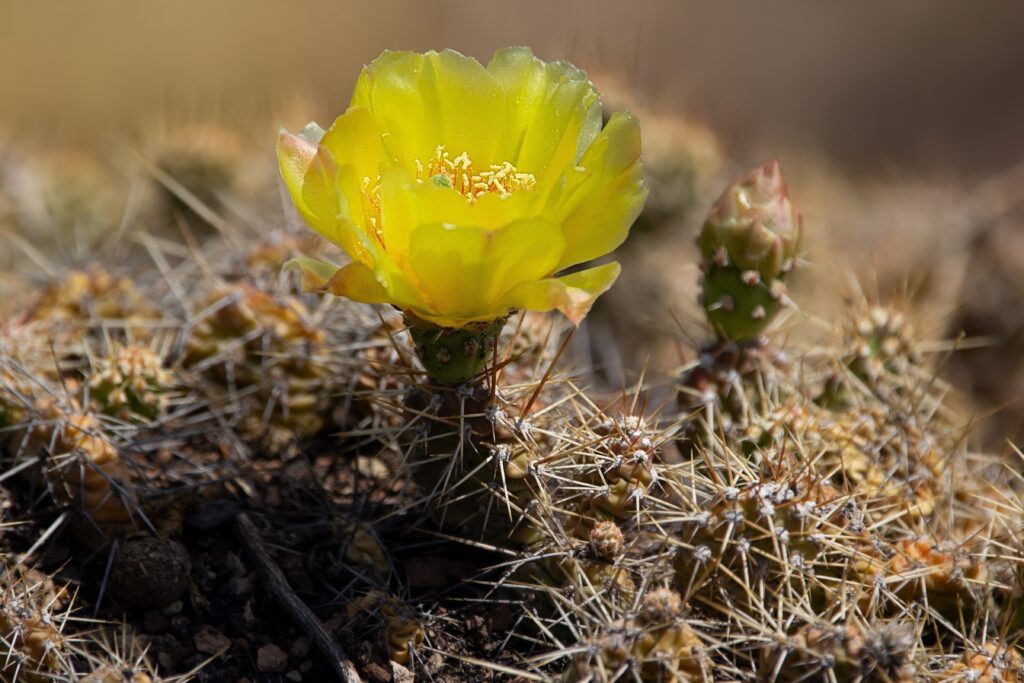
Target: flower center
458 173
455 173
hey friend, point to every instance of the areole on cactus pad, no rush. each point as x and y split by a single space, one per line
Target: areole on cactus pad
462 193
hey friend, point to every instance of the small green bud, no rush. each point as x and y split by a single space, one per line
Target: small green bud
753 225
749 243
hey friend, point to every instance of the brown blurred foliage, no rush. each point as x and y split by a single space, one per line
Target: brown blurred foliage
898 128
929 85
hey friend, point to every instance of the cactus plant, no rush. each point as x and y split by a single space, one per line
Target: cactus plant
83 469
88 296
33 648
255 345
879 654
654 646
130 383
402 634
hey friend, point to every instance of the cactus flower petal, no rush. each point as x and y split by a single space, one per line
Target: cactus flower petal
610 168
472 269
354 280
573 295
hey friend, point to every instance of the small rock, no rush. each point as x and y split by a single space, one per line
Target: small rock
434 663
271 658
210 641
293 676
182 626
372 468
174 608
165 660
306 666
399 674
301 647
375 672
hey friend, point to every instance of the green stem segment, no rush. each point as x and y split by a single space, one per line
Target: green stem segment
739 305
454 356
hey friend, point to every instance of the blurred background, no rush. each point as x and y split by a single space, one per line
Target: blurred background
899 130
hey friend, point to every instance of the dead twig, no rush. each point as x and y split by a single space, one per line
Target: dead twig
286 598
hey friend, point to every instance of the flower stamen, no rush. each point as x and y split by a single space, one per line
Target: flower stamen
457 173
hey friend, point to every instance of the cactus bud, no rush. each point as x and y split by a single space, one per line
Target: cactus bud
607 540
661 606
749 243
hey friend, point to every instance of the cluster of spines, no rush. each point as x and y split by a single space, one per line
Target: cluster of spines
800 491
263 353
32 618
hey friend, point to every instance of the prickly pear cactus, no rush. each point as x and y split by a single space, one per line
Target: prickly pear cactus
88 296
265 349
921 569
883 341
83 469
774 530
655 645
992 662
749 245
882 653
475 464
624 468
131 383
32 647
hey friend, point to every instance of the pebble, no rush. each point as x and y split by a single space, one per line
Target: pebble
434 663
271 658
174 608
301 647
210 641
375 672
399 674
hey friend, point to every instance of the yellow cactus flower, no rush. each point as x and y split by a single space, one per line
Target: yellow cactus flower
462 192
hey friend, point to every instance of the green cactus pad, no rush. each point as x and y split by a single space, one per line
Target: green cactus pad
738 309
454 356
